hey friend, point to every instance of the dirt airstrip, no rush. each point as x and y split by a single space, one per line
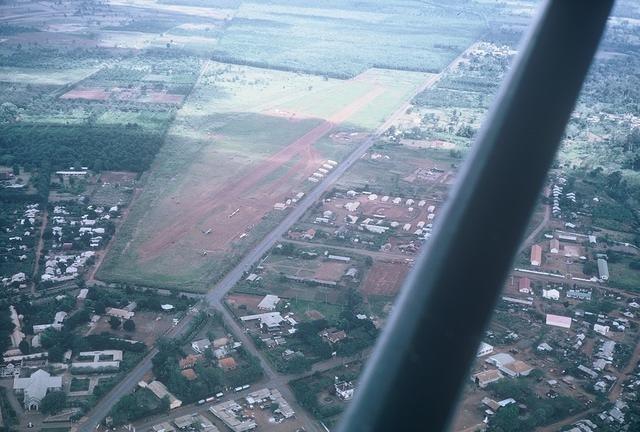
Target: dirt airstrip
250 192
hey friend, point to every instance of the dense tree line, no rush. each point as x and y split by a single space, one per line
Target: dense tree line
6 327
137 405
129 147
210 380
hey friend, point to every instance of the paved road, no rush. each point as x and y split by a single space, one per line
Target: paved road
215 296
102 408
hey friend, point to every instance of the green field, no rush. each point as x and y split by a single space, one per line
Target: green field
343 38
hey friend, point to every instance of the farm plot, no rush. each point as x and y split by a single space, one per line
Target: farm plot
342 39
385 278
227 161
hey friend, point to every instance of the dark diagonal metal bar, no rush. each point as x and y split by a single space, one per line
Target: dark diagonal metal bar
413 379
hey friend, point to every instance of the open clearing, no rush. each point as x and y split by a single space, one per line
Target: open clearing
227 160
385 278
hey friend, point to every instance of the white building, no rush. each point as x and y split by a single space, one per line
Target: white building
269 302
603 269
484 349
552 294
36 387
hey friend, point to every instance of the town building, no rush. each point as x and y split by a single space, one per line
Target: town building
484 349
484 378
160 390
603 269
344 389
36 387
232 415
269 302
551 294
524 285
201 345
558 321
536 255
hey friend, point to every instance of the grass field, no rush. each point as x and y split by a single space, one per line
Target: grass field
43 76
245 139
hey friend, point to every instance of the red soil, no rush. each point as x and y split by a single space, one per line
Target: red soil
250 192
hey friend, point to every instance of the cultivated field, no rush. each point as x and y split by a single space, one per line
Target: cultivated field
245 140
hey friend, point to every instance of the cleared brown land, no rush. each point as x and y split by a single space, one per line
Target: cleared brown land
87 94
384 278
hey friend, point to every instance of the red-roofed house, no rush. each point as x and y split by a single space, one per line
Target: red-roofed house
536 255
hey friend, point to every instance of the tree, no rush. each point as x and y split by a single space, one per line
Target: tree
129 325
99 308
24 347
589 268
506 419
53 402
56 353
114 323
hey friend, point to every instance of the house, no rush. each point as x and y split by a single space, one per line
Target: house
579 294
500 359
536 255
163 427
603 269
189 361
309 234
352 273
339 258
229 412
344 389
524 285
484 378
508 365
270 320
544 347
592 374
189 374
160 390
601 329
558 321
201 345
332 335
554 246
269 302
36 387
552 294
227 363
484 349
516 369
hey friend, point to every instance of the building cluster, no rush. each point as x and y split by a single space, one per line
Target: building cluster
363 216
238 415
322 171
18 237
189 422
223 350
